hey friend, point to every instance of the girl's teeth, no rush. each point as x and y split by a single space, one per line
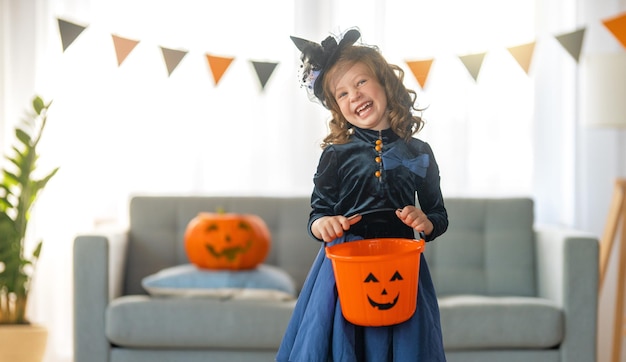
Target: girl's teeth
362 108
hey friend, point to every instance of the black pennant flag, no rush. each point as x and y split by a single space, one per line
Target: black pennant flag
572 42
69 32
264 71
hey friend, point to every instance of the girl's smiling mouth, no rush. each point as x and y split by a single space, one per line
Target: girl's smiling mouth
363 107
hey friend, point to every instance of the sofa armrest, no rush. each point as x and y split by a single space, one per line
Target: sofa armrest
567 270
98 278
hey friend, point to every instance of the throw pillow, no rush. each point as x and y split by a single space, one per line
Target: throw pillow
187 280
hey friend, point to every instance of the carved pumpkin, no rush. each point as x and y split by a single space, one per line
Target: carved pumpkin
227 241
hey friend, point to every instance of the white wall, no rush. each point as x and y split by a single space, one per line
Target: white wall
13 65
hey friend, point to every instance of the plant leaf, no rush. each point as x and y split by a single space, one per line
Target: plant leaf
38 104
37 250
10 178
22 136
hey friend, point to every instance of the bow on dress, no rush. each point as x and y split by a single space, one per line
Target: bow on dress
395 158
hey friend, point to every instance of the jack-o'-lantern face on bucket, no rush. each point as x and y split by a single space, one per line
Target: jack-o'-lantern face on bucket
383 296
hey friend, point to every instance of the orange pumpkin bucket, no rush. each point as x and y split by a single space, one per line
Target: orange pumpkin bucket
377 279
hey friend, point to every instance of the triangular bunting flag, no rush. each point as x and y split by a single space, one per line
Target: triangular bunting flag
420 70
617 26
69 32
123 47
263 71
218 66
572 42
172 58
473 62
523 54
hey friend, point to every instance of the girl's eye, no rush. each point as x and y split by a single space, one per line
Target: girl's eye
341 95
361 82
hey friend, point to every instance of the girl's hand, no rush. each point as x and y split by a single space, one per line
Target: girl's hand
329 228
415 218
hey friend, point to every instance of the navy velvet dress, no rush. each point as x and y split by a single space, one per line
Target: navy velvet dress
356 178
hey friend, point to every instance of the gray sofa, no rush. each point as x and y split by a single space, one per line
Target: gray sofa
509 290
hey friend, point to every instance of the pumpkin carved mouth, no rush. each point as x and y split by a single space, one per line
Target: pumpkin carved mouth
383 306
229 253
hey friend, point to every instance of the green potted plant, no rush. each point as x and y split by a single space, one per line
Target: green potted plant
19 188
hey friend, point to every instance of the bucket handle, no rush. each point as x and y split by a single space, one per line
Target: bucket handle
422 235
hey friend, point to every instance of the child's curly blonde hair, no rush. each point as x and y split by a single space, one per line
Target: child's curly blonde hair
400 100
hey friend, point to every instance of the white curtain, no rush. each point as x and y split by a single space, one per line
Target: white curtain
117 131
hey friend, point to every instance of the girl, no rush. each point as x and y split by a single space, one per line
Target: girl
369 172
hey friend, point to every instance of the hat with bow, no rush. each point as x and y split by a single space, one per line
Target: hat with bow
318 58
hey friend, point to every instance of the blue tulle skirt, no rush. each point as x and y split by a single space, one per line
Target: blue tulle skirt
318 332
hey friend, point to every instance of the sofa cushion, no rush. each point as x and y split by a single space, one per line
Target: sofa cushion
481 322
142 321
187 280
489 249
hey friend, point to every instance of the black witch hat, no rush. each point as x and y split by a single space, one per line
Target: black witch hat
318 58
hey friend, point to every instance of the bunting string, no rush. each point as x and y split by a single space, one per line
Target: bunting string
571 42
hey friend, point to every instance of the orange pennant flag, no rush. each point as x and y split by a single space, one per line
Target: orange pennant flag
617 26
218 66
420 70
123 47
523 54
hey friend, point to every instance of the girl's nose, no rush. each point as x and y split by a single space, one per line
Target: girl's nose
356 95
